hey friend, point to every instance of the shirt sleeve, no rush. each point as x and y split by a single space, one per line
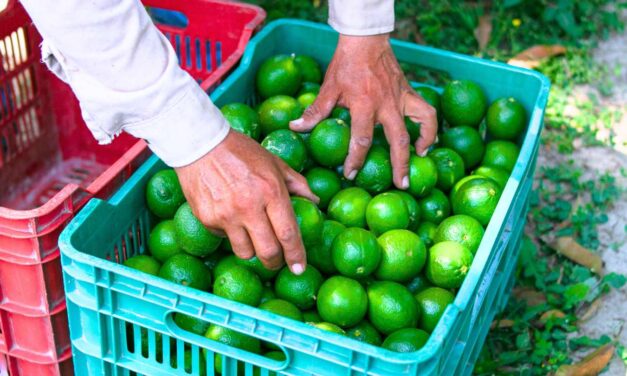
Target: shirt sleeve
126 76
361 17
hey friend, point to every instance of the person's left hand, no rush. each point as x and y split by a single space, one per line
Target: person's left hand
365 77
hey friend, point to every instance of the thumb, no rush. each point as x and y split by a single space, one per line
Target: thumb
317 111
296 183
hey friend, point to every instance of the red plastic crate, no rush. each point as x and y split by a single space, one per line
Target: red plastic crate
50 166
13 366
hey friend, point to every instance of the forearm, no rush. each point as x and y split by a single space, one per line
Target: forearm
126 76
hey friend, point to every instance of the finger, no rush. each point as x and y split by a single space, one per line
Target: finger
266 245
241 243
317 111
421 112
283 221
362 129
296 183
399 140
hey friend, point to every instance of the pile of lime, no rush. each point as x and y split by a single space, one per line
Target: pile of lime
383 264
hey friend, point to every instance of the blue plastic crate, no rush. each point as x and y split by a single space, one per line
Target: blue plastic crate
113 308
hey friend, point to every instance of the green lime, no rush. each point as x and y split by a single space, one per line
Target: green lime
423 175
403 256
309 218
164 194
240 284
477 198
319 254
267 294
435 206
463 103
356 252
461 182
391 307
309 87
256 266
433 302
162 241
418 283
447 264
328 327
188 363
501 154
342 301
329 142
231 338
413 129
225 264
306 100
212 260
191 324
186 270
406 340
311 316
282 308
450 167
276 113
505 119
375 175
309 68
243 119
288 146
462 229
466 142
433 98
192 235
387 211
143 263
300 290
349 205
500 176
324 183
278 75
365 332
413 209
378 137
342 113
426 231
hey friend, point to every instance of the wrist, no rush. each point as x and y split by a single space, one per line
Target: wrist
358 43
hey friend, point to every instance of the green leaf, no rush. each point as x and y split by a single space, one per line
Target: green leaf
576 293
615 280
511 3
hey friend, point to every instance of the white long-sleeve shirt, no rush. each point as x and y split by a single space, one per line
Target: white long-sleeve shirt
127 78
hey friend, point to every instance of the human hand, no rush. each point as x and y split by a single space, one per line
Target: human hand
365 77
241 190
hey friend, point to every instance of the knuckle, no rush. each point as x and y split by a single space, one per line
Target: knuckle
312 111
403 140
288 235
362 141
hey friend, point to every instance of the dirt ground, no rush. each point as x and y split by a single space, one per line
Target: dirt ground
612 314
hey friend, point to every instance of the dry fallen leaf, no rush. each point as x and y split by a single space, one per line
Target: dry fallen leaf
591 365
483 31
550 314
529 295
592 309
504 323
574 251
532 56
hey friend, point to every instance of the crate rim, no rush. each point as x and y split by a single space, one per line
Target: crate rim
465 293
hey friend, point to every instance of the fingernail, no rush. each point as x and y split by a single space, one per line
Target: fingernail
351 175
298 269
405 182
297 122
424 153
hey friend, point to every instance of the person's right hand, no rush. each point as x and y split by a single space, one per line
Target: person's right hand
242 190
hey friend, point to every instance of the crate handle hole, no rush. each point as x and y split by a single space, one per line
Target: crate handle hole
167 17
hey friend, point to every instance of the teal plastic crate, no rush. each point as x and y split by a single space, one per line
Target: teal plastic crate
113 309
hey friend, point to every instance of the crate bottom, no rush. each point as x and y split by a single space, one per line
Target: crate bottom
39 188
15 366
